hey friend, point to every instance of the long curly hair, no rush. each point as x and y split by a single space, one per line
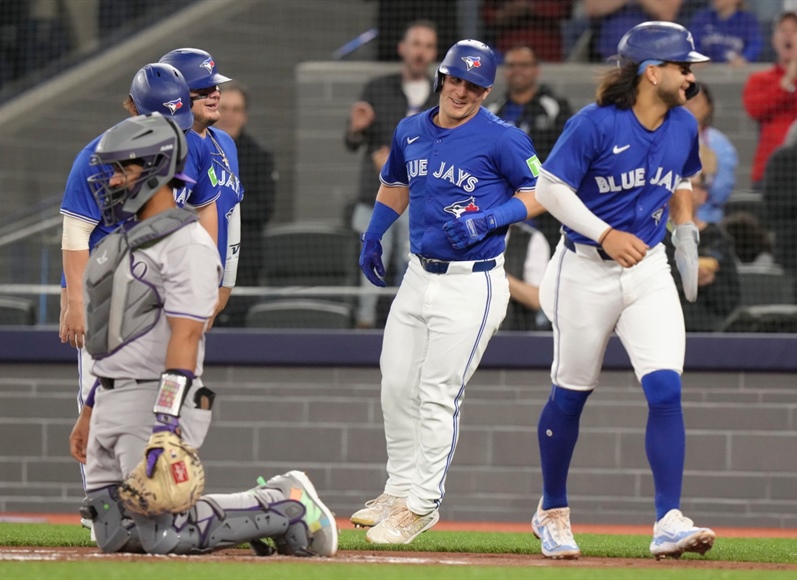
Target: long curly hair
618 86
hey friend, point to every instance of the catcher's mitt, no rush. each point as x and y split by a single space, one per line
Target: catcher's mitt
177 479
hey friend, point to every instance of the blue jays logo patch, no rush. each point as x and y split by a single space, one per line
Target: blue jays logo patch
459 207
208 64
472 61
174 105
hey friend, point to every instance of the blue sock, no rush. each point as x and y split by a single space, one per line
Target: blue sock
557 433
665 438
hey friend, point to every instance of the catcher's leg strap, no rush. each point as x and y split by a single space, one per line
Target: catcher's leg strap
113 528
208 526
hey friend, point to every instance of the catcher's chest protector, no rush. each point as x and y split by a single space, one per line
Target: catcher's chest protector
120 304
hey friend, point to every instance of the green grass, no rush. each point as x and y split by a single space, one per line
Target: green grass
783 551
169 570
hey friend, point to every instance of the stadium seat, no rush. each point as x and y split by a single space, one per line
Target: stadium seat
773 318
762 285
747 201
16 312
310 254
299 314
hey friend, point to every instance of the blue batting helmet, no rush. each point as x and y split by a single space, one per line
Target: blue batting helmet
662 41
197 66
469 60
161 88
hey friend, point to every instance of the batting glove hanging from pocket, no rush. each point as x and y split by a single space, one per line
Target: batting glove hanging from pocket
686 238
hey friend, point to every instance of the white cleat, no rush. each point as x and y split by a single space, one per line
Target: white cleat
377 510
553 528
675 534
401 527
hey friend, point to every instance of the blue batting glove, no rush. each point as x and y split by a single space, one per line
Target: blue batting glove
371 260
469 228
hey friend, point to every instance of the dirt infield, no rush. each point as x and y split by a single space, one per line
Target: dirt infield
443 526
414 558
24 554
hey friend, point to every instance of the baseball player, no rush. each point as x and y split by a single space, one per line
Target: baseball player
199 70
619 171
463 175
151 286
155 88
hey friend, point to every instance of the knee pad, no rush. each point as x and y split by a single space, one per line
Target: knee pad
295 540
662 389
568 401
114 529
157 533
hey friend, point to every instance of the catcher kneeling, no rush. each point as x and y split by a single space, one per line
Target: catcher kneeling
150 288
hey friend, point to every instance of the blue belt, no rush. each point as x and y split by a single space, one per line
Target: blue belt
571 245
437 267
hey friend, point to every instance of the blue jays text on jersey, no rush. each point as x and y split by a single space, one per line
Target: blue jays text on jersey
607 157
636 178
458 177
473 167
223 175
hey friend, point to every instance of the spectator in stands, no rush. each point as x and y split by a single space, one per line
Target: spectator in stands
770 96
257 174
384 102
535 23
613 18
726 32
527 255
752 243
717 154
534 108
394 16
780 200
717 278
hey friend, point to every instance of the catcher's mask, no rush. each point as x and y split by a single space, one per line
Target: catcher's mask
150 141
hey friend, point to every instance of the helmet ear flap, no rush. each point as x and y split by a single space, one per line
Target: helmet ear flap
438 82
692 90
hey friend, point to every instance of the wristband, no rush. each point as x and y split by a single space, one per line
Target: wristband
174 387
509 213
382 218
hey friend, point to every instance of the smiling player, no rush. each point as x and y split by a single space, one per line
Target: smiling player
616 174
465 175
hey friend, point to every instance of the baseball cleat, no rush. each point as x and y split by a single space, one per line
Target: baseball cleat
553 528
318 518
376 510
675 534
401 527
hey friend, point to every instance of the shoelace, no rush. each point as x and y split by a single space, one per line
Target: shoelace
383 499
678 520
559 525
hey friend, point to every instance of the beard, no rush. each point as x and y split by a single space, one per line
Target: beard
671 98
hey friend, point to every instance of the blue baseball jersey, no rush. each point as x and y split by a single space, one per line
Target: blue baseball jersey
79 202
474 167
624 173
223 174
198 167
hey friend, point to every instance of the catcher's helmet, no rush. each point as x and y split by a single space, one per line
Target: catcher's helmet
663 41
197 66
152 141
469 60
161 88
